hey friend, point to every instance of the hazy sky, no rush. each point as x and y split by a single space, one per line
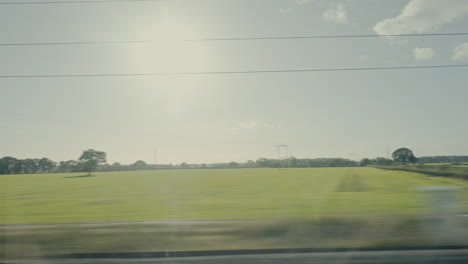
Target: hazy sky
213 118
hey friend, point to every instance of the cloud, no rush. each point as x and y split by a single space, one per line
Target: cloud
461 52
364 57
421 16
294 4
336 15
423 53
242 125
250 125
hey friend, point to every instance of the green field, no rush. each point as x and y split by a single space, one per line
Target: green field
213 195
447 164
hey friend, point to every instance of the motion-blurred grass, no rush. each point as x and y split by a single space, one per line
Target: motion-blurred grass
213 195
63 241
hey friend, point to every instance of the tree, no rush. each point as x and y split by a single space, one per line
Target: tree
262 162
250 164
292 162
91 158
3 166
46 165
139 165
30 165
233 164
116 166
365 162
404 155
8 165
67 166
382 161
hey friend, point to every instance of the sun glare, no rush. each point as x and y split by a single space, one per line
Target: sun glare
170 52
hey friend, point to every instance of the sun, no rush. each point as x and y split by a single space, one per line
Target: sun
171 54
170 51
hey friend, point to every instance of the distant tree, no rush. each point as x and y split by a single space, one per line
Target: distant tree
3 166
184 165
61 167
18 167
46 165
9 165
203 166
72 165
365 162
276 164
113 167
233 164
139 165
262 163
30 165
67 166
292 162
404 155
382 161
91 158
443 159
250 164
116 166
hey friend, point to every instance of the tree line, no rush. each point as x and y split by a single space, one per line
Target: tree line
444 159
92 160
88 162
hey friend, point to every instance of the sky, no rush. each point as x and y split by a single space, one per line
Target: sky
235 117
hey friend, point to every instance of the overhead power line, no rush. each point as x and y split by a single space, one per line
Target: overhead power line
74 43
228 39
331 36
77 2
233 72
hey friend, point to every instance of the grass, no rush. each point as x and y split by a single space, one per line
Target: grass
458 172
447 164
45 242
213 195
305 208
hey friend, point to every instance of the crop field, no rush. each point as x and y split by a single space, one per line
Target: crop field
238 194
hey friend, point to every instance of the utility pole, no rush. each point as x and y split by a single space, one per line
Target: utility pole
283 148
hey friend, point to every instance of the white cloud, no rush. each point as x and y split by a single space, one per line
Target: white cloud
461 52
241 125
336 15
250 125
294 4
423 53
420 16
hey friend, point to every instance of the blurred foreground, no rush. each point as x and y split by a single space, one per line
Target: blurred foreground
362 257
89 241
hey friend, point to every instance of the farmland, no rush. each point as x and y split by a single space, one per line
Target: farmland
238 194
289 208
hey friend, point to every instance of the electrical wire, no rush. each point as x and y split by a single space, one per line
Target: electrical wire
331 37
234 72
74 43
229 39
77 2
